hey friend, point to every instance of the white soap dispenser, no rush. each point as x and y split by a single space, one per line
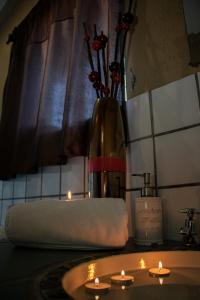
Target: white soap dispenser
148 215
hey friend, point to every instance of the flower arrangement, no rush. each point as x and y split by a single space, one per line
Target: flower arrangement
99 74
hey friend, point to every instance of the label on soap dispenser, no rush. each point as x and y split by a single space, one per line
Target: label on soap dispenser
148 220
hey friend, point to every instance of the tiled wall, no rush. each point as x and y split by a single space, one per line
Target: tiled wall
164 139
164 127
51 182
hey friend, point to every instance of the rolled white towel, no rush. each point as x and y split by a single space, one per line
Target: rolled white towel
59 224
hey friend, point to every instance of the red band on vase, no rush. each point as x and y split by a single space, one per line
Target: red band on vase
112 164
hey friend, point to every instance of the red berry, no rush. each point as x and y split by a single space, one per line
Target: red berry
116 77
106 90
103 38
93 76
118 27
96 45
125 26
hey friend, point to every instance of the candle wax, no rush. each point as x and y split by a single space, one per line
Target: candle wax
122 279
101 287
159 272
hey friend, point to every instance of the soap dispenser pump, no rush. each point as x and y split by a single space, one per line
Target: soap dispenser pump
148 215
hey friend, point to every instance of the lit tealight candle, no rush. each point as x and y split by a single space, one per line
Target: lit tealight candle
160 271
122 278
69 195
97 286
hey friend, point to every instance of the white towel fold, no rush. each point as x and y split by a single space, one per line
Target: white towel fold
84 224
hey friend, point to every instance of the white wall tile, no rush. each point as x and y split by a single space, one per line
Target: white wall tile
33 187
173 200
141 160
138 114
175 105
8 189
20 187
72 177
178 159
50 180
5 206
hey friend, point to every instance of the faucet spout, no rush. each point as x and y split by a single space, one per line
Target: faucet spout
188 231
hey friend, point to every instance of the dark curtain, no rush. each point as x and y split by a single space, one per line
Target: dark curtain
48 99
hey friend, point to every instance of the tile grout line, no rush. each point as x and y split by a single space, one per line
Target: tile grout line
177 129
139 139
153 139
165 133
45 196
41 183
172 186
198 88
180 185
1 203
60 181
84 176
26 188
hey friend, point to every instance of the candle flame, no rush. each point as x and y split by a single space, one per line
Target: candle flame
97 297
89 194
96 281
69 195
161 281
142 264
160 265
122 273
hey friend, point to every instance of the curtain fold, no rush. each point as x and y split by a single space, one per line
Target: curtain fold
48 99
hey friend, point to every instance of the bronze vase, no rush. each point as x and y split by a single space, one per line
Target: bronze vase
107 155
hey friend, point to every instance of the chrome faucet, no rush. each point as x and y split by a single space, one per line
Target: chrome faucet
188 231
